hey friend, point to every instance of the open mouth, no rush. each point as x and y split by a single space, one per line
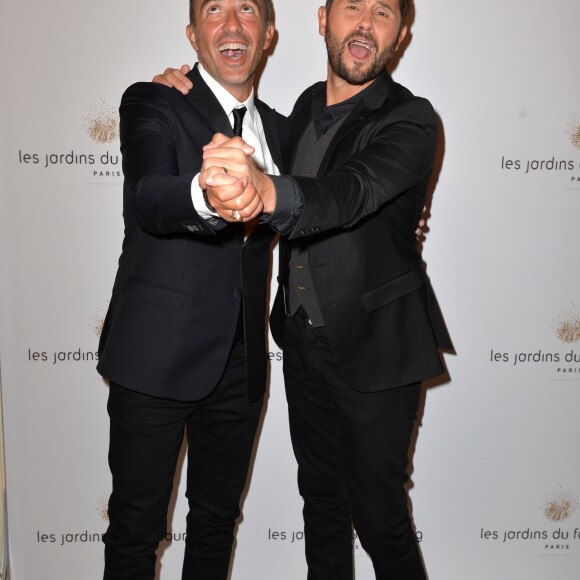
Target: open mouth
233 50
361 48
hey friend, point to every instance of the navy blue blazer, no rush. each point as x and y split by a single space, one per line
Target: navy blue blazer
181 279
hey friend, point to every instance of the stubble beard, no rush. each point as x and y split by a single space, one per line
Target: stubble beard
357 75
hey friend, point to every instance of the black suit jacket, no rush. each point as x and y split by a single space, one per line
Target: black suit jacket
359 220
181 280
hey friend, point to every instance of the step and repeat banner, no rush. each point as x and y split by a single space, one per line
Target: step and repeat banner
495 470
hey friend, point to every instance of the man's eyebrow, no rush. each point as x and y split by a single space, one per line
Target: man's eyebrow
386 6
205 2
254 2
383 4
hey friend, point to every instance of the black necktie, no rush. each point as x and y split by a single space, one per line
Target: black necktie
238 120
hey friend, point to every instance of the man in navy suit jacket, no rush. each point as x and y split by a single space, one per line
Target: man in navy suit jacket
183 344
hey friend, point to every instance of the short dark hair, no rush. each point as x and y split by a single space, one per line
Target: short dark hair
404 7
266 12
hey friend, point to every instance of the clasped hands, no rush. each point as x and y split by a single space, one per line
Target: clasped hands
234 186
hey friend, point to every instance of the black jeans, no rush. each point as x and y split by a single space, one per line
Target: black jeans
145 439
351 449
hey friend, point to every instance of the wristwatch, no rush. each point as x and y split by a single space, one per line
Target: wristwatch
207 204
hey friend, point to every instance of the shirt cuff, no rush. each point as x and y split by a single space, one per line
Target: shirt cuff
201 207
289 205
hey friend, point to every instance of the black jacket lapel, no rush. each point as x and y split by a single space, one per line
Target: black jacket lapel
373 100
271 131
207 106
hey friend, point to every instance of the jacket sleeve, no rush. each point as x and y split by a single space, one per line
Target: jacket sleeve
154 188
396 154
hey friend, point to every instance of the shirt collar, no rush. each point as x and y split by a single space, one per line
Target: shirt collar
225 98
324 117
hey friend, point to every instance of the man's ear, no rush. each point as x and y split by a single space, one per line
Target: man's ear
190 32
402 36
322 14
269 35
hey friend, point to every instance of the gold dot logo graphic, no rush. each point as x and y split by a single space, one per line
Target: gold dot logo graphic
574 132
567 326
559 505
102 123
97 321
103 506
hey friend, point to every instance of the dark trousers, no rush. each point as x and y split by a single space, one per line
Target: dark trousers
351 449
145 440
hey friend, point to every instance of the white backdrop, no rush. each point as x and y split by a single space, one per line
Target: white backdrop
496 472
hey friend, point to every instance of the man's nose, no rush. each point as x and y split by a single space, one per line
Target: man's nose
365 21
232 22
